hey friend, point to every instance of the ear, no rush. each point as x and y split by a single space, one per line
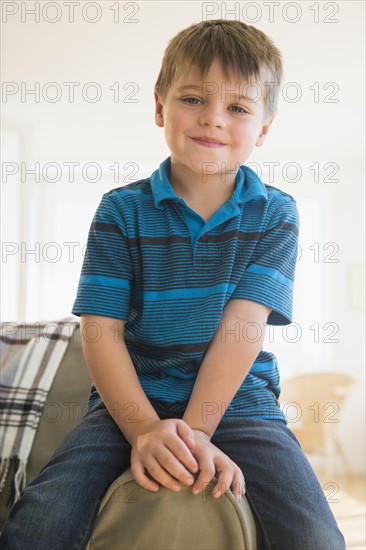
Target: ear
262 136
159 116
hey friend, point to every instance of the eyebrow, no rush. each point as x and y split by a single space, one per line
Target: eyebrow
196 87
190 86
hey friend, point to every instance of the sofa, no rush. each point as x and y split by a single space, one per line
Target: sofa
131 517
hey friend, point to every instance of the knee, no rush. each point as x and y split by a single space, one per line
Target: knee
62 493
48 514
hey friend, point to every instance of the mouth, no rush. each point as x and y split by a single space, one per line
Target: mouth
208 142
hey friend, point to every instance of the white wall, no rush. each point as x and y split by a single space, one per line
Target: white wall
322 54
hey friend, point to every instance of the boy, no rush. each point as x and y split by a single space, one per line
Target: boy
183 270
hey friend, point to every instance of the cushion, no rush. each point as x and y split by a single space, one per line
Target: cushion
133 518
65 406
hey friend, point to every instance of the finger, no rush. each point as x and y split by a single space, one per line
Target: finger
138 472
191 444
223 483
229 478
238 485
205 477
157 471
184 430
187 435
186 462
225 470
169 460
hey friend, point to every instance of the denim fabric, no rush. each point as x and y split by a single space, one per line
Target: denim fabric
287 501
58 509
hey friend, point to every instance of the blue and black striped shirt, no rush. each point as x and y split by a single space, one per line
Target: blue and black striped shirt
156 263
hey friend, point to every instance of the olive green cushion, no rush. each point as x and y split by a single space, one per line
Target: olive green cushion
133 518
65 406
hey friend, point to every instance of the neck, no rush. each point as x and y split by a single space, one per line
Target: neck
195 186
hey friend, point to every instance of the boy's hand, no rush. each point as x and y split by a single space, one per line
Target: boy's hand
212 461
163 448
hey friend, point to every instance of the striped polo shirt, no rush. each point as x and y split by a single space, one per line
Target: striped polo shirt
154 262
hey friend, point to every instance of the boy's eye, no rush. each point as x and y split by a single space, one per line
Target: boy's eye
240 109
190 100
195 101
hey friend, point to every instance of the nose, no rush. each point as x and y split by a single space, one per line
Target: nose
212 115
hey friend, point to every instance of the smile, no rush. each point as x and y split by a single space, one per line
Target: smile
208 143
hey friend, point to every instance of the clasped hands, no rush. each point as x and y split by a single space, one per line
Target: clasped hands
170 450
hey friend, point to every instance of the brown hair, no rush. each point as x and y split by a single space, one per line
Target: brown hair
241 49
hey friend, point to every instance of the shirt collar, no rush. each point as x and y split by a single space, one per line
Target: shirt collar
247 185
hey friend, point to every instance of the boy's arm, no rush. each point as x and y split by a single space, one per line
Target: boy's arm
114 374
232 351
160 446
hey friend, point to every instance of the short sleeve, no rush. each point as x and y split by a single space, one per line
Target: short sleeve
107 271
269 277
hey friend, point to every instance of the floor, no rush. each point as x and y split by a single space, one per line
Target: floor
346 497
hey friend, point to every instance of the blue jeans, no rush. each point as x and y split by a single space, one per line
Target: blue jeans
58 509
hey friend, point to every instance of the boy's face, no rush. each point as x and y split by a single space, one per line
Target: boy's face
213 109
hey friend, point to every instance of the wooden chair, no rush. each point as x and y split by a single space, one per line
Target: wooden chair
313 405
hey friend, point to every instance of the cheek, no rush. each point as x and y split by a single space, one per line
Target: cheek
246 135
173 122
178 126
